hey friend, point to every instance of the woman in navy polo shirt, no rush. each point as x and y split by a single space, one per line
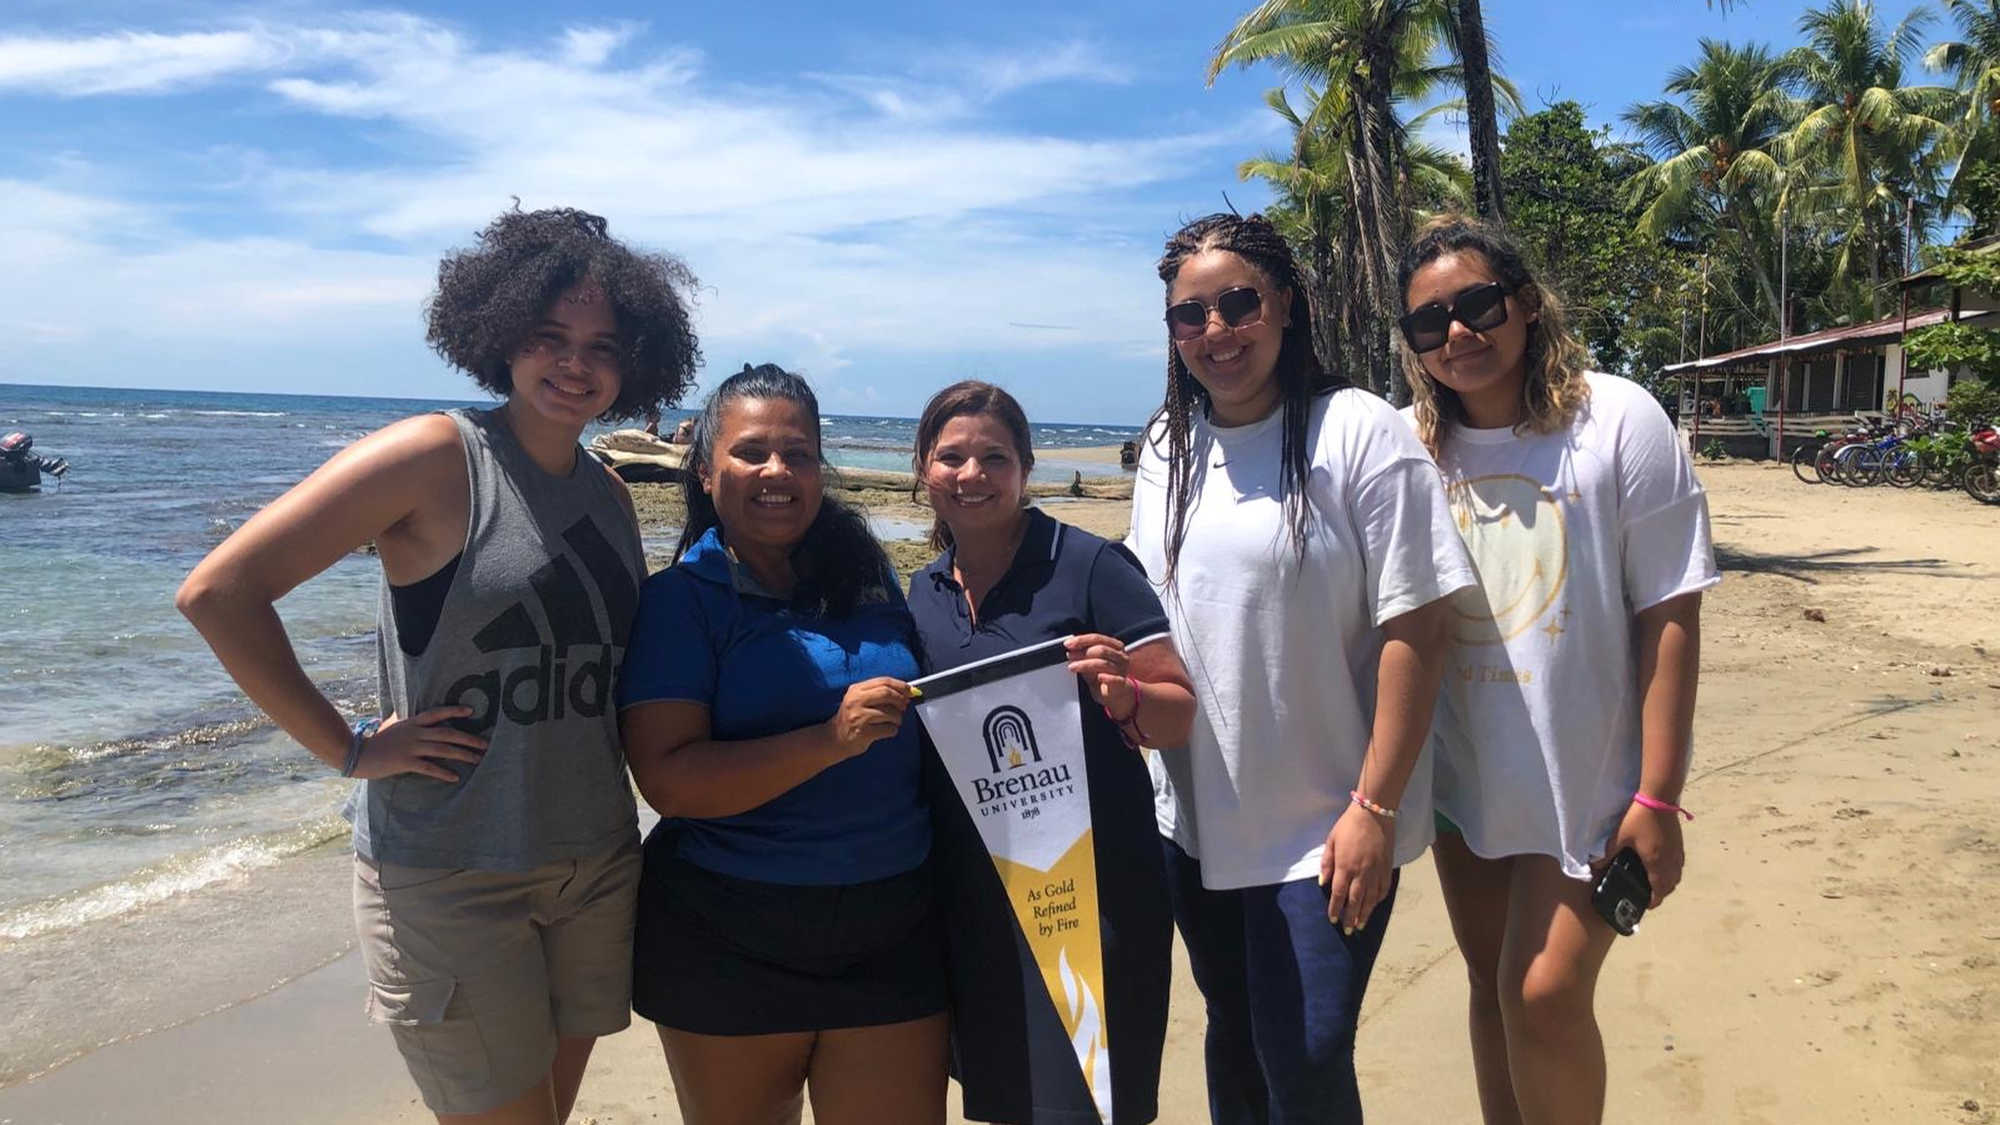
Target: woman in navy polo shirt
1012 576
786 936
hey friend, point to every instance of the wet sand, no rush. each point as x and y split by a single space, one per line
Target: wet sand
1831 956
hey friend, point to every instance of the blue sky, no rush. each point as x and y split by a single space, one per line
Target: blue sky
885 196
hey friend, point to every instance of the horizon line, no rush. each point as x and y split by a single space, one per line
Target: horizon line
911 418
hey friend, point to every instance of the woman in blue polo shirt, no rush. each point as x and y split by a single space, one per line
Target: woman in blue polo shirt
1012 576
786 937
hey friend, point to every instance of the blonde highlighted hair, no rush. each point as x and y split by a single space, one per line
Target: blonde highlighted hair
1555 389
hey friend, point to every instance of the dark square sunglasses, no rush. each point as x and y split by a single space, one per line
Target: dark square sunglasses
1240 307
1481 308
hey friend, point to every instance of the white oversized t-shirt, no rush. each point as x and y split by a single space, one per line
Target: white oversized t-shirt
1537 737
1283 650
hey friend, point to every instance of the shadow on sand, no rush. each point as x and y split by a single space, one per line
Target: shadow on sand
1844 560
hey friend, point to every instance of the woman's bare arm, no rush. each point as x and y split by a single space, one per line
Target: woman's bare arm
384 488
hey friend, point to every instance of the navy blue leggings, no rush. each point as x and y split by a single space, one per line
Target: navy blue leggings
1283 988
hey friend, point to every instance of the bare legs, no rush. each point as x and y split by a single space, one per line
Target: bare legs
1533 947
893 1074
551 1099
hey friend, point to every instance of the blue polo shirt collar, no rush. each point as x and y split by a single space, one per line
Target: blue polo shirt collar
711 560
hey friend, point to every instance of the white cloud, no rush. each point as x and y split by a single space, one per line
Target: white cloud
591 46
830 218
1074 61
132 62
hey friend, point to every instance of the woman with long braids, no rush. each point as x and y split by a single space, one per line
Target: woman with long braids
787 940
1564 732
1303 548
496 841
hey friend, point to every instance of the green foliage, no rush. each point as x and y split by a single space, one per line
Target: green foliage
1950 346
1565 186
1978 192
1970 271
1973 400
1713 451
1946 452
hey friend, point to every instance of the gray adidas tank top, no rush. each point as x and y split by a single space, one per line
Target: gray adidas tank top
531 635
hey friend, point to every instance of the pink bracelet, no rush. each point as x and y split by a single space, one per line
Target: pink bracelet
1137 737
1658 805
1383 811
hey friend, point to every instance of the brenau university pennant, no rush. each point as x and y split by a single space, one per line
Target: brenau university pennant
1009 730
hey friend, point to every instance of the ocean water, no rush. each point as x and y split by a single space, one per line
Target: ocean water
133 774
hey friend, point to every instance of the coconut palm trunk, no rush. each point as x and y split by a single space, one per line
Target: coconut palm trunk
1482 120
1382 224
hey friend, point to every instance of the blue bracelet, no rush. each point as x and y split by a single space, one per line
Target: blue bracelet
363 728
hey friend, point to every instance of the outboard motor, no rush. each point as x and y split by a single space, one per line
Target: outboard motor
21 468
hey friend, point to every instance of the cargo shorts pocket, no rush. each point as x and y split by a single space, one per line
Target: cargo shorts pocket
409 1003
444 1049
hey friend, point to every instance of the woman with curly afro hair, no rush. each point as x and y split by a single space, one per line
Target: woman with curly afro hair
495 835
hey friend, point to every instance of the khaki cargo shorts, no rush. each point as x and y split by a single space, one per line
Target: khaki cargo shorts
478 973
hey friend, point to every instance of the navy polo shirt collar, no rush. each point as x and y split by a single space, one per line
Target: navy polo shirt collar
1040 545
711 560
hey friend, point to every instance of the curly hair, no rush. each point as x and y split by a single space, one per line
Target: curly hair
838 560
1555 389
970 397
1300 377
489 299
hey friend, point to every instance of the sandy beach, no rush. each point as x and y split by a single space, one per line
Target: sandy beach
1831 957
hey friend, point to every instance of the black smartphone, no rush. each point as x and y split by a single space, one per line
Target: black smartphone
1623 892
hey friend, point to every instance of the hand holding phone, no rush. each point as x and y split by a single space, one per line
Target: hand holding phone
1622 892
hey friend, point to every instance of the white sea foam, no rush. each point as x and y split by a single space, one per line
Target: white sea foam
184 874
240 413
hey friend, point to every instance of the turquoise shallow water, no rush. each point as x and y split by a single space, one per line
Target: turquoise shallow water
131 770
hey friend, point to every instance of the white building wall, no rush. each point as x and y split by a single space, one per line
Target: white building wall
1925 388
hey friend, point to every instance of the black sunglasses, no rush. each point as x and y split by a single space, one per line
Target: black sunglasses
1240 307
1481 308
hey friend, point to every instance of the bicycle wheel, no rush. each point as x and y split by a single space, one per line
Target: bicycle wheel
1803 459
1906 469
1982 482
1863 468
1826 463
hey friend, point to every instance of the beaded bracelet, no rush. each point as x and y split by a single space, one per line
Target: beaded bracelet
1382 811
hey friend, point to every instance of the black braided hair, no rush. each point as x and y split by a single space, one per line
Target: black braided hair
838 560
1299 374
490 298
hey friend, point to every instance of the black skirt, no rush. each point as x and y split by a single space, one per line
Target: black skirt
718 955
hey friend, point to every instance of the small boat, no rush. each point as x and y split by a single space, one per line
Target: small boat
21 469
636 455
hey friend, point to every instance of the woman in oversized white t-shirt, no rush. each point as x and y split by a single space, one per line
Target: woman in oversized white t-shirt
1302 546
1563 732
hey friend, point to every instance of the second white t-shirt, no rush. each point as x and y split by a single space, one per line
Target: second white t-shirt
1537 736
1283 649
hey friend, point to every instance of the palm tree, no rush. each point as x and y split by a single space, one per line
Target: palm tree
1973 62
1865 136
1469 43
1974 65
1717 177
1365 56
1312 212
